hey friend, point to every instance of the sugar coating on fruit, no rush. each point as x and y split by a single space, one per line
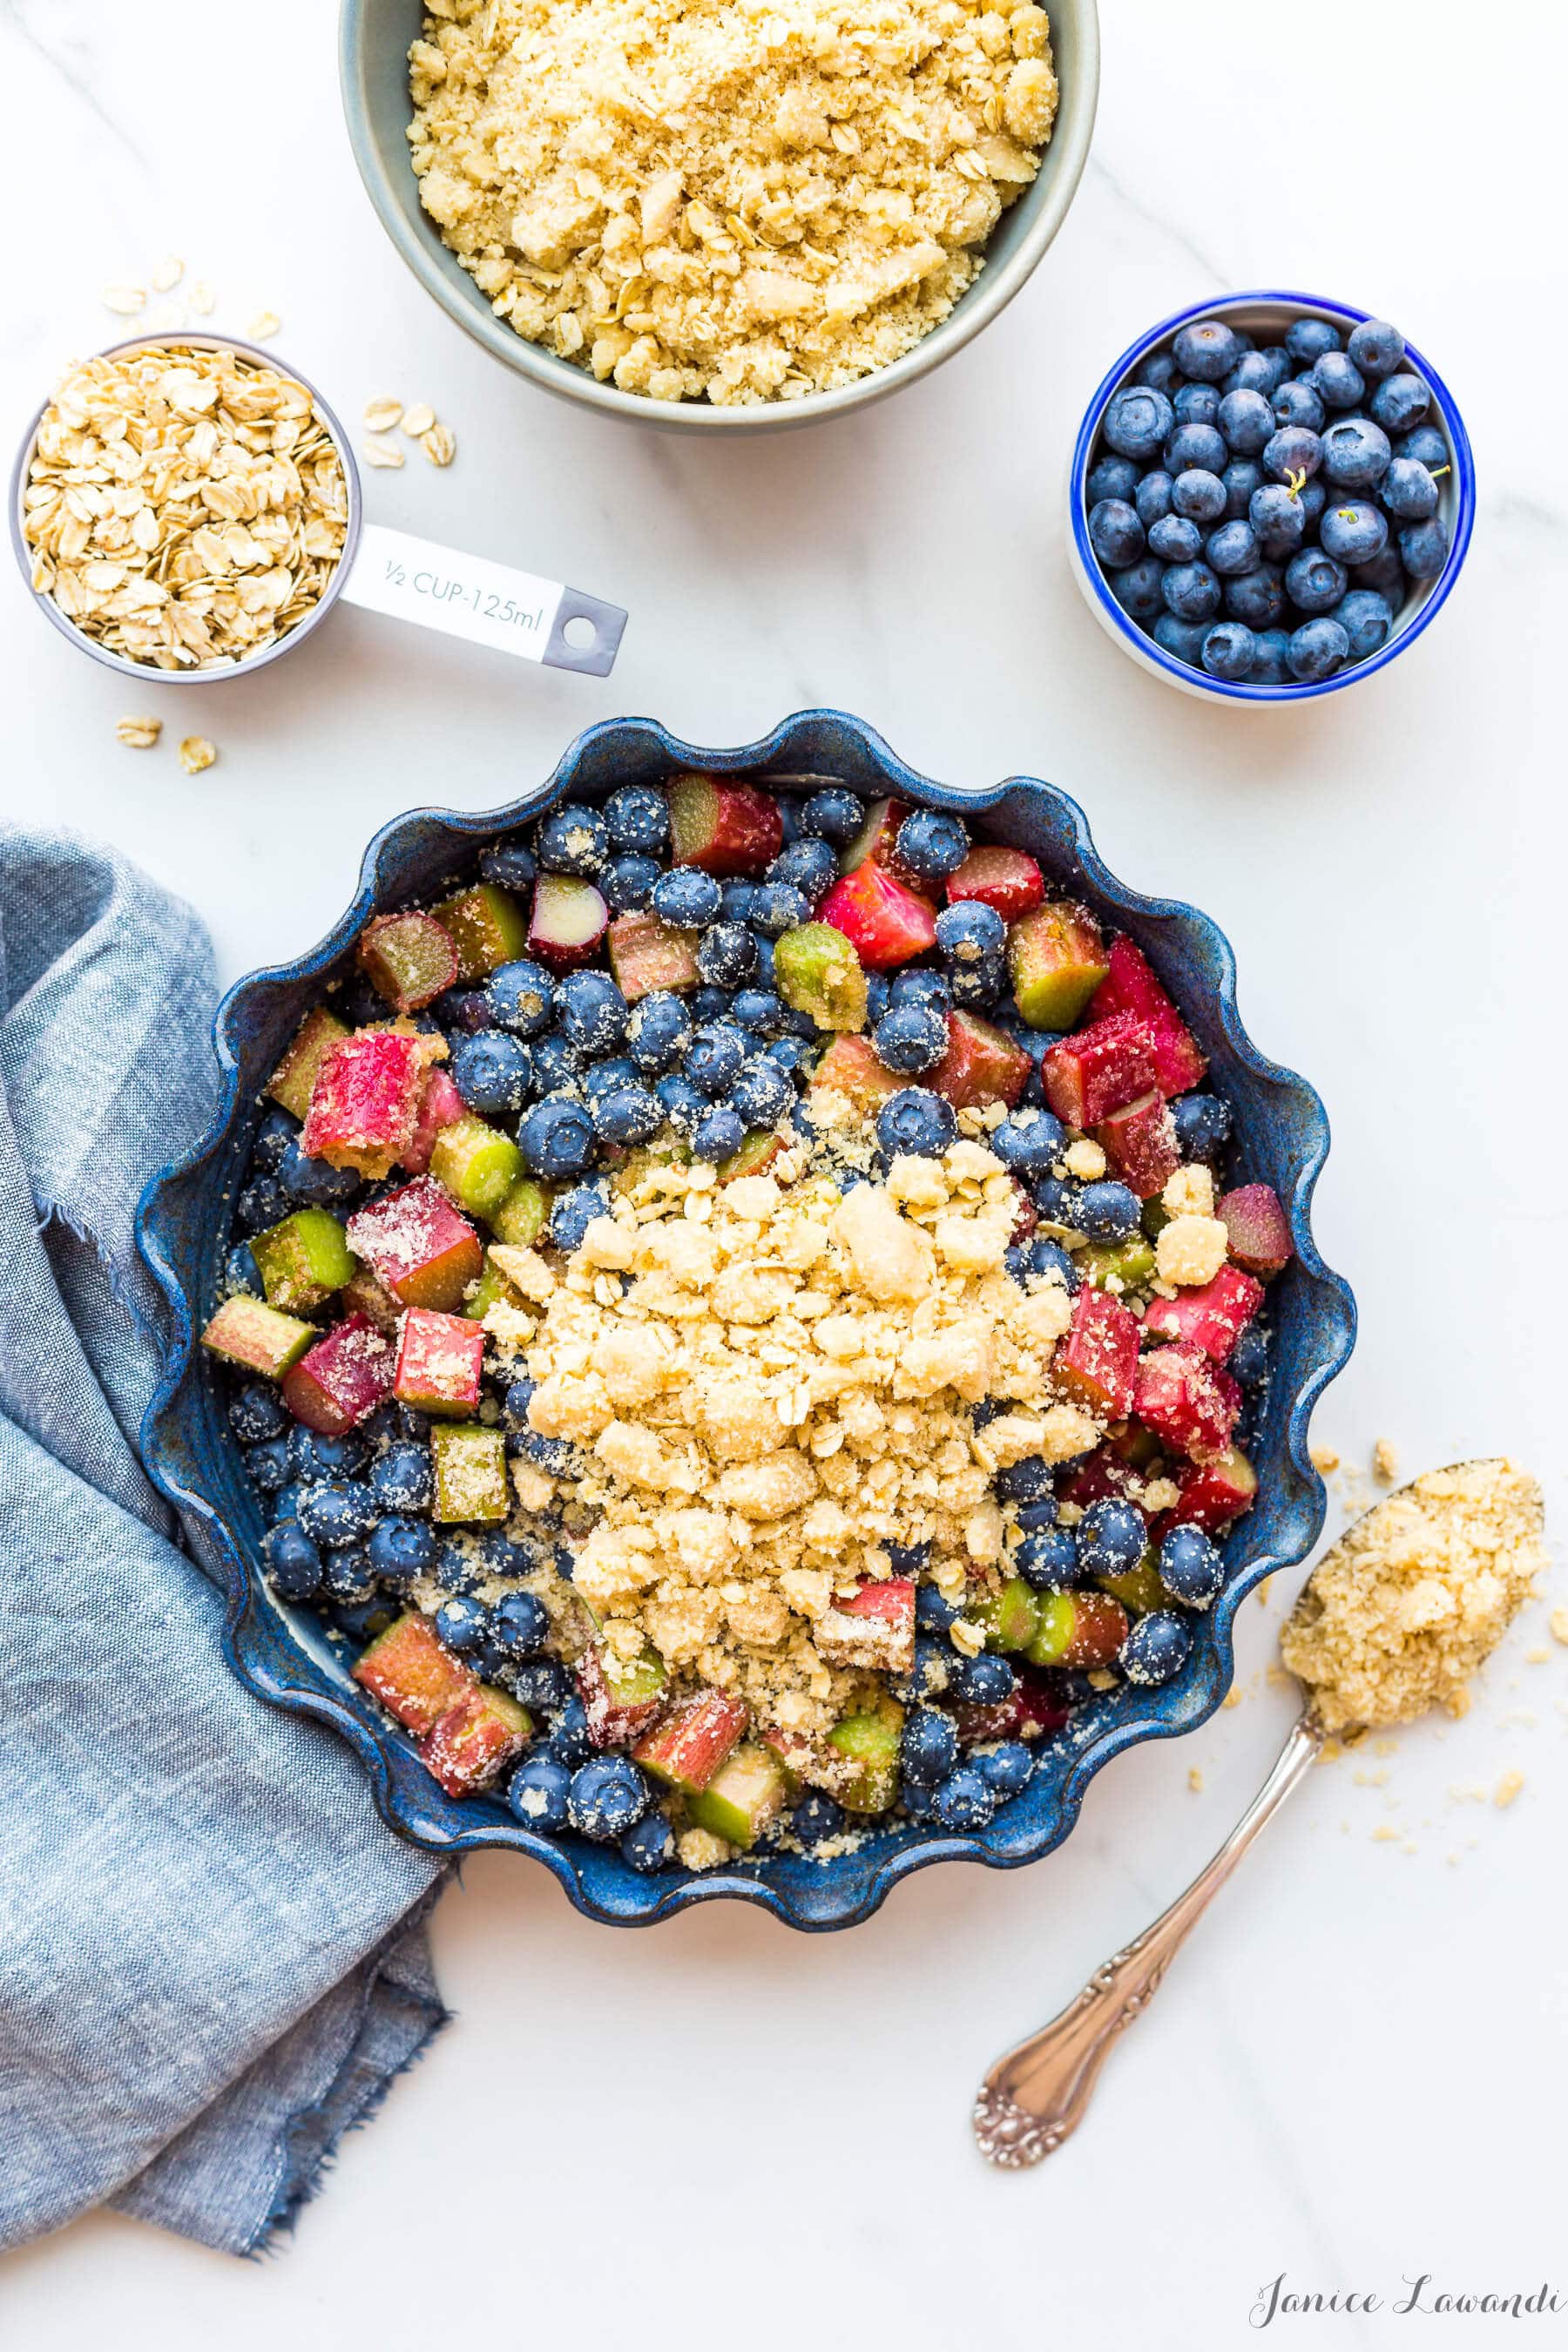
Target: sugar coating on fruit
726 203
1415 1596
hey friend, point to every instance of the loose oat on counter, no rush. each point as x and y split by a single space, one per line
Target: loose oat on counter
727 202
1415 1596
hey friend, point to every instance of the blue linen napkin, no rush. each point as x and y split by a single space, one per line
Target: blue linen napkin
213 1958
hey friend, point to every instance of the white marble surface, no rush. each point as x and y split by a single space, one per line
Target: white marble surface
1356 2072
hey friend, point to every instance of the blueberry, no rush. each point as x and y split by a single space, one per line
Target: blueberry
1337 380
930 1674
1248 1360
1240 477
1196 448
727 954
337 1514
1256 598
1111 477
1366 618
556 1065
1056 1198
575 1211
1051 1263
1316 649
1047 1557
294 1561
627 883
1409 491
1198 494
637 818
965 1800
1182 639
1159 372
1136 587
457 1567
932 1613
463 1624
1137 420
714 1058
921 986
1314 581
836 815
1293 451
606 1796
1152 499
403 1479
317 1455
1314 498
1108 1212
1376 348
658 1031
347 1577
1203 1127
590 1013
1024 1481
241 1277
929 1745
627 1114
934 845
315 1183
778 907
736 899
1175 540
1206 349
1116 536
1385 573
1279 521
556 1140
789 1053
1353 532
285 1504
1007 1768
1111 1538
1399 403
1258 372
1197 404
1229 651
969 932
911 1038
263 1202
1356 454
1297 404
1190 1567
573 839
687 898
519 1626
537 1793
1306 340
1028 1142
809 866
1424 547
649 1845
510 866
556 1456
400 1549
255 1414
816 1818
268 1465
542 1683
717 1134
1156 1648
1232 548
1247 422
1191 592
1424 444
763 1092
602 1078
491 1072
916 1120
984 1681
681 1102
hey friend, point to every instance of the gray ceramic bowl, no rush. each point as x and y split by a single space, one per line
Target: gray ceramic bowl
285 1655
372 55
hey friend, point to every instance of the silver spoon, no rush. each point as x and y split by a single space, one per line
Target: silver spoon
1037 2094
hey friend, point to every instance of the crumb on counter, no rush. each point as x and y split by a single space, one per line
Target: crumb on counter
1323 1458
1508 1785
1384 1462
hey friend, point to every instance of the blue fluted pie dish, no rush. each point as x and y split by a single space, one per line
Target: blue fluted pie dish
285 1654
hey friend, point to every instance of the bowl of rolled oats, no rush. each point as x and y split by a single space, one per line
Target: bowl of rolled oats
729 217
184 505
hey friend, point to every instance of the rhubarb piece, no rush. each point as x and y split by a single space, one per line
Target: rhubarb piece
1258 1228
488 926
1010 1618
244 1332
440 1358
1008 880
1079 1630
410 958
493 1288
440 1106
469 1462
620 1699
345 1376
878 838
1138 1588
477 1163
868 1743
1098 1070
521 1216
1130 986
1104 1471
981 1065
744 1795
1178 1396
687 1749
850 1068
412 1674
818 971
471 1746
1118 1266
1030 1711
1214 1493
417 1244
646 955
1213 1318
1056 959
569 919
873 1630
724 827
884 923
1097 1363
302 1261
364 1295
364 1104
762 1147
295 1076
1140 1142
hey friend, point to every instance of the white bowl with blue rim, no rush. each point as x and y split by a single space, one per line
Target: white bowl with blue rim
1264 315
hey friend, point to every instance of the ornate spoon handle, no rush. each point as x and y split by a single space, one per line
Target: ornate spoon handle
1035 2096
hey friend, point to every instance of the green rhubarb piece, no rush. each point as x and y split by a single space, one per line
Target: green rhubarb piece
1156 1217
259 1337
632 1681
493 1288
411 959
817 971
759 1149
476 1164
1131 1262
1138 1589
1057 960
294 1078
870 1745
1010 1618
1052 1641
521 1214
303 1260
743 1796
489 927
470 1474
